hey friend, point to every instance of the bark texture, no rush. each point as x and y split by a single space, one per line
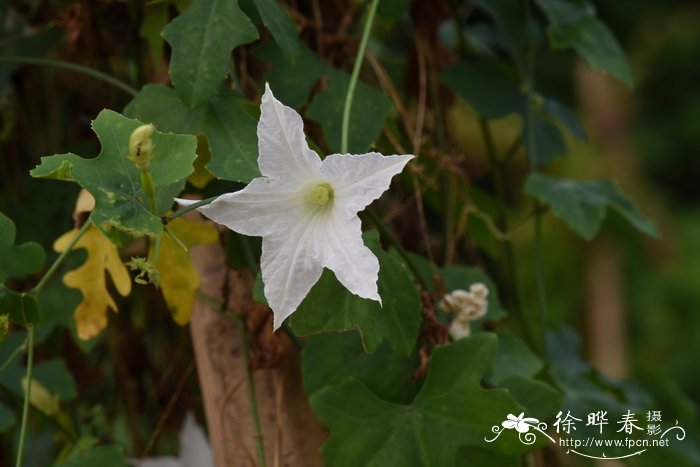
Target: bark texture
291 434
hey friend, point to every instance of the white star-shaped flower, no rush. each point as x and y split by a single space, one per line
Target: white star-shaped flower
305 209
521 423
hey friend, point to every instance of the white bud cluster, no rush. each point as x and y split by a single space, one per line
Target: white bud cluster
466 306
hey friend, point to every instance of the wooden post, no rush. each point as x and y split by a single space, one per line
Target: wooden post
291 434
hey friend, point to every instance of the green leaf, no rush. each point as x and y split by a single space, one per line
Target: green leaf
514 368
582 204
391 11
7 417
57 378
21 307
513 358
565 116
369 111
292 83
451 410
291 80
155 18
330 358
104 456
17 260
121 205
485 85
548 140
586 391
573 24
512 28
462 277
229 129
52 373
331 307
281 26
469 456
201 40
540 400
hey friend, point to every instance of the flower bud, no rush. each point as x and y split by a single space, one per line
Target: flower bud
141 146
4 326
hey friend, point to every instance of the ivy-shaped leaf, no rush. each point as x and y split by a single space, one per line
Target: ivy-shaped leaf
369 111
178 277
330 357
451 410
229 129
292 82
201 40
121 206
582 204
90 279
514 368
331 307
17 261
512 29
573 24
281 26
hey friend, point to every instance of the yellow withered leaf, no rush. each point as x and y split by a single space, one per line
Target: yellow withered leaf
91 280
201 175
178 277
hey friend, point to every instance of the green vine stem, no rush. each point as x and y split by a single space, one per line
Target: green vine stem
56 264
355 74
30 339
531 148
73 67
502 225
188 208
27 395
15 353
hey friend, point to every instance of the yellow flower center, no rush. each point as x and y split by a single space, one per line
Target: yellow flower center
321 194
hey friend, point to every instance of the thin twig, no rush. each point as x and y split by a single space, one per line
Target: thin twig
168 410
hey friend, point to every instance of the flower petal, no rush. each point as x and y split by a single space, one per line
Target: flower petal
360 179
522 427
508 424
283 151
290 266
343 252
194 447
264 207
